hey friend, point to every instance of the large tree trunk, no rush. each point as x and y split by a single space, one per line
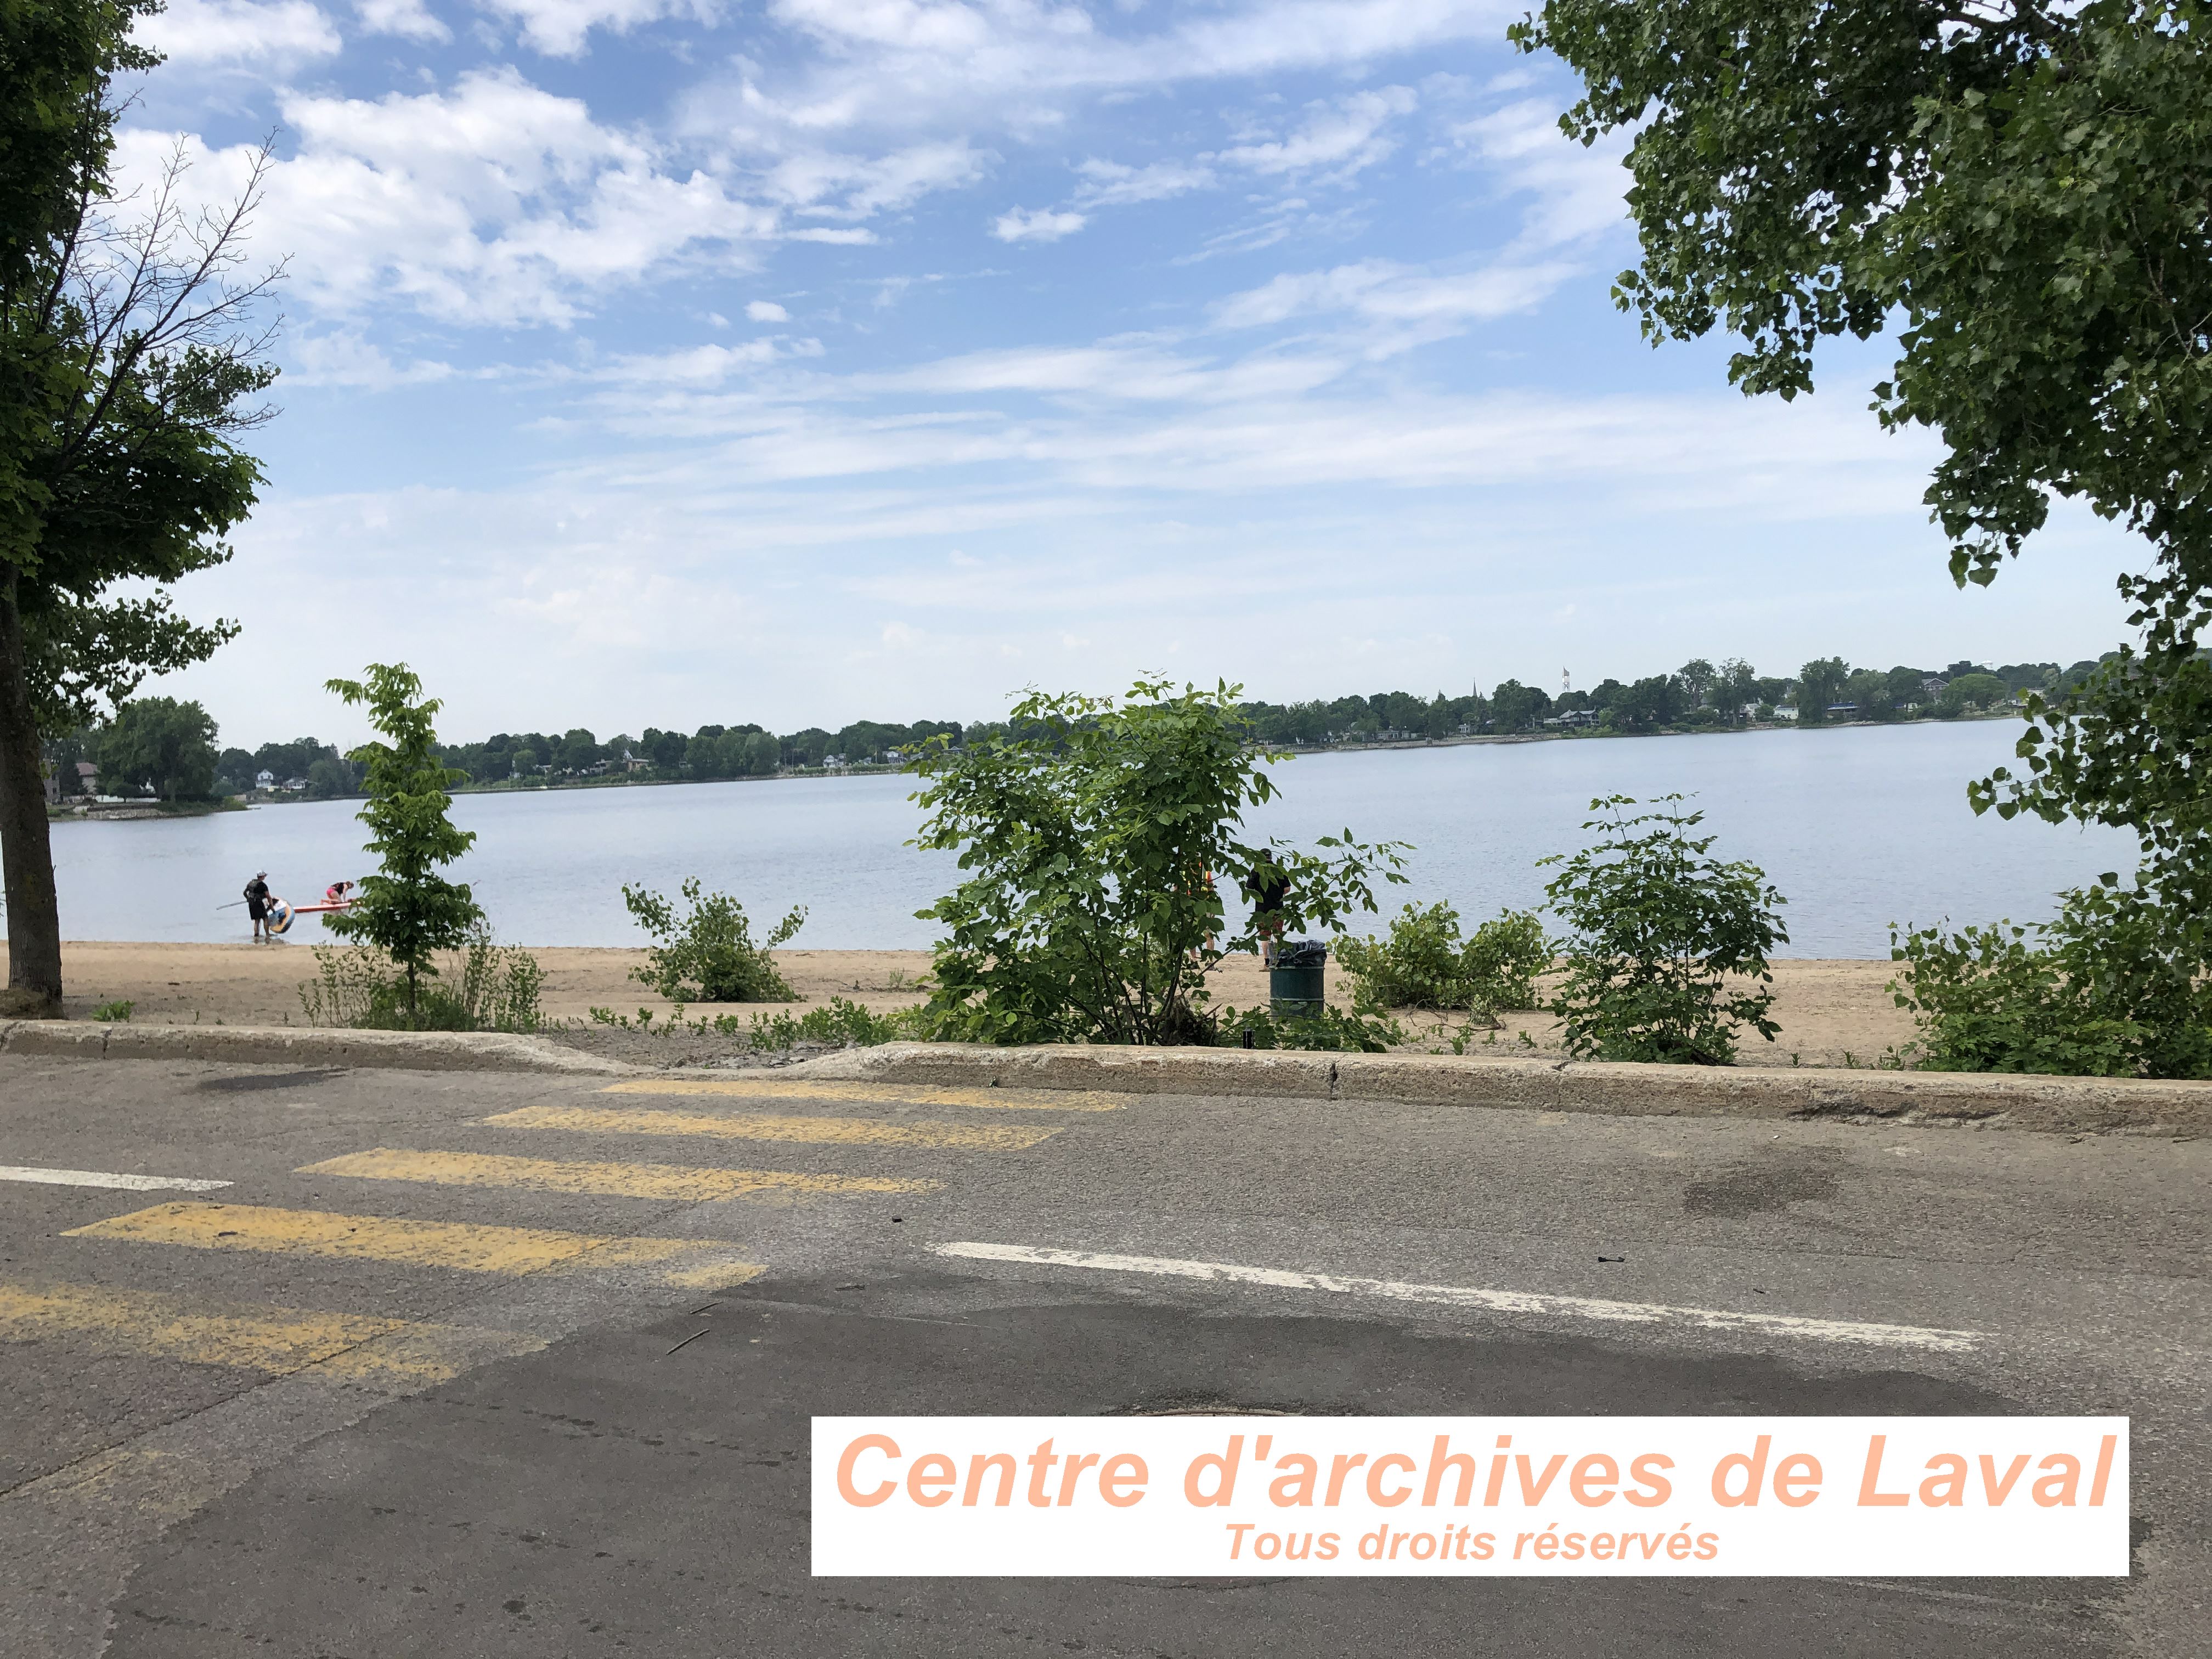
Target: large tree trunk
27 856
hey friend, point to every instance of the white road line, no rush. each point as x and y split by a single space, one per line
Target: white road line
1509 1302
129 1183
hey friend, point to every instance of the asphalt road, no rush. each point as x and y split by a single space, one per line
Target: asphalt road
507 1365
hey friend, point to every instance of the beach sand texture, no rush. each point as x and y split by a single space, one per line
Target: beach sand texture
1827 1010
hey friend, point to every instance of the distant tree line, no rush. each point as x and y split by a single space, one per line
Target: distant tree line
161 747
1699 694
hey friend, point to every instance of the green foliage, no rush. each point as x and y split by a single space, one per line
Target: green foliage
1972 691
1424 962
158 744
843 1022
707 954
1093 833
2027 189
1363 1030
2100 991
485 987
1661 930
117 1013
407 909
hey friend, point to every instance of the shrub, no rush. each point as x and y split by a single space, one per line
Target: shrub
1422 962
1661 930
484 987
842 1022
1093 833
115 1013
1363 1030
708 955
2105 989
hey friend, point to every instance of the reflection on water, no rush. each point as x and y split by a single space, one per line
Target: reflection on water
1857 827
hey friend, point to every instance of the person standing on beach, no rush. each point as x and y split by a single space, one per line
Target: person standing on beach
257 901
1269 885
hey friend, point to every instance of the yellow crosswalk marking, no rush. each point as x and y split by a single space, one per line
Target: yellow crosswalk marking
812 1131
669 1180
1013 1100
465 1246
276 1341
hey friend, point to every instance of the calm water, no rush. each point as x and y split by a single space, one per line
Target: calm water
1857 827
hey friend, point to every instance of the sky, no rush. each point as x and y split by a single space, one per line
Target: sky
675 362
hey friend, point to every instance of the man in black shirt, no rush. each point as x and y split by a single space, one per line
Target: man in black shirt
256 901
1269 885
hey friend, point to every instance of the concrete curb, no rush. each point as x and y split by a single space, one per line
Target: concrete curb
286 1045
2052 1104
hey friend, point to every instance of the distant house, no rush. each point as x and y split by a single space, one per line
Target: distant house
1572 719
294 786
1842 708
264 779
1784 711
1933 685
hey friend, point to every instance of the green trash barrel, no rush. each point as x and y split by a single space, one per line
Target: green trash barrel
1294 983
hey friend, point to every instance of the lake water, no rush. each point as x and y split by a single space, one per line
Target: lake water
1858 827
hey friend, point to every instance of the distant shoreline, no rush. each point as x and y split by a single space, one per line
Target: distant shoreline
516 786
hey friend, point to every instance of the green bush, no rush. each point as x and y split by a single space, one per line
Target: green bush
113 1014
1424 962
707 954
483 987
2108 988
1363 1030
1661 930
842 1022
1092 834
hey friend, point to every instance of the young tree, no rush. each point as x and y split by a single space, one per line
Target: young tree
129 363
1093 837
407 909
2026 188
1669 956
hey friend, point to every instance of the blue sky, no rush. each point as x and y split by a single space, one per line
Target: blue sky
668 361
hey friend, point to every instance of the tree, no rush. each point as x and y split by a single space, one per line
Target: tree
407 909
1516 708
162 744
1698 677
1734 684
2026 188
1972 691
1665 938
128 366
1649 704
1091 838
1820 683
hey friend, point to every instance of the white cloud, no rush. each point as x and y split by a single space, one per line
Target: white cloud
410 20
1378 290
1578 189
1342 137
558 27
278 35
495 202
1038 225
766 311
833 185
1108 183
345 359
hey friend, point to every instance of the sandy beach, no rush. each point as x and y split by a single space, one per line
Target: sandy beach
1831 1012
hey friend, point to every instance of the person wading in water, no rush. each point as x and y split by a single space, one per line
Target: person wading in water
257 901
